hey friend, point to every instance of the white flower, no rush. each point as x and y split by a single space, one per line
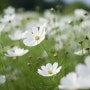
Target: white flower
2 79
18 35
84 82
85 25
10 10
17 21
81 52
83 72
80 13
35 36
16 51
70 82
7 18
44 54
87 61
49 69
58 46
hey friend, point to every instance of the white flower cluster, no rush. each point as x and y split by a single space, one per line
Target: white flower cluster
62 29
79 79
68 32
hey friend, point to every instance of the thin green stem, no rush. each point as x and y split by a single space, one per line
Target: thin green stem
82 49
22 75
43 47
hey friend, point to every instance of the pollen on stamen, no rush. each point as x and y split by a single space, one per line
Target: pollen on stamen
49 72
36 37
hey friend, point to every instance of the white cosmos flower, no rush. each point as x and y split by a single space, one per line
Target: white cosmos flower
16 51
35 36
87 61
80 13
44 54
18 35
83 72
9 14
2 79
9 10
58 46
81 52
85 24
7 18
49 69
84 82
70 82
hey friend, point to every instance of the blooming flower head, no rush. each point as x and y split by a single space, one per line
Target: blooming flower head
83 71
81 52
7 18
69 82
80 13
9 14
18 35
16 51
49 69
2 79
9 10
35 36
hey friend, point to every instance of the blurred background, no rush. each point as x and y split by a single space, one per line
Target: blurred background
40 5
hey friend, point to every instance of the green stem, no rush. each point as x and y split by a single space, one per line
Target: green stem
43 47
82 49
22 75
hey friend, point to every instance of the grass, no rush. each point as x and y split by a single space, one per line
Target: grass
21 72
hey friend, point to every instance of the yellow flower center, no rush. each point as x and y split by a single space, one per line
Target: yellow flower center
49 72
36 37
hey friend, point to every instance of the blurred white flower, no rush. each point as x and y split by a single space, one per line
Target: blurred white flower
44 54
10 10
49 69
80 13
84 82
16 22
85 25
16 51
70 82
58 43
35 36
18 35
81 52
9 14
2 79
58 46
48 14
7 18
87 61
83 71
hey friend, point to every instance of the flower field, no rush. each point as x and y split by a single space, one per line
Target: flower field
44 51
